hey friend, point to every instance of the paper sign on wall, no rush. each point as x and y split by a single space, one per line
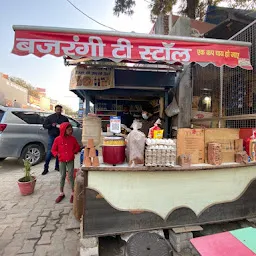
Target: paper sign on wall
83 78
115 124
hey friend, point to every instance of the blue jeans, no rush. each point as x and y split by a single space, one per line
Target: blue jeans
49 154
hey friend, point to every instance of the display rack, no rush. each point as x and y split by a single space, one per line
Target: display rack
107 108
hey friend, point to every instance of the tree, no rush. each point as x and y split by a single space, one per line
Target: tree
242 4
194 9
31 89
69 111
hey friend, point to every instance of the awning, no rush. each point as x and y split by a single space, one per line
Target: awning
117 46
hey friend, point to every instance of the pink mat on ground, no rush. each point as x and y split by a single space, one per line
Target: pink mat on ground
223 244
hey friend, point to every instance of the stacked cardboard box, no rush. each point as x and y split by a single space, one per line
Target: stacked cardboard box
195 142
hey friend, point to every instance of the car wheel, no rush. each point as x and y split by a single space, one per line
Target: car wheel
33 153
2 159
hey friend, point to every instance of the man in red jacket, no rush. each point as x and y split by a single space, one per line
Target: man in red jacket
65 147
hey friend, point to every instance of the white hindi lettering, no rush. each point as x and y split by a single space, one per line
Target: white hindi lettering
57 47
70 50
98 44
124 46
25 45
81 49
166 53
145 54
178 54
48 46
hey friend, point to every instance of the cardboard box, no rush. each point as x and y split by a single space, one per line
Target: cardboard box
239 145
241 157
184 160
214 154
226 137
191 142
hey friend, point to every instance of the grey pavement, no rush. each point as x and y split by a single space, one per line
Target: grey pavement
34 225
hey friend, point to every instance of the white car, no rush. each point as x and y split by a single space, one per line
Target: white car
22 134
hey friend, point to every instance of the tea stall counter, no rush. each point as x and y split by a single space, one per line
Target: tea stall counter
121 199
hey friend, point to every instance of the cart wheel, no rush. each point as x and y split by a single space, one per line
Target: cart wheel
148 244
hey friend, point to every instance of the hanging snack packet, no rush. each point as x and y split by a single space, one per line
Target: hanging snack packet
158 134
154 128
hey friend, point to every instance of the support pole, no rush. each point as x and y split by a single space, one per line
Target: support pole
221 93
166 123
87 104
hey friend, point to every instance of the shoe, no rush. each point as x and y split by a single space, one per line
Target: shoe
45 172
71 199
59 199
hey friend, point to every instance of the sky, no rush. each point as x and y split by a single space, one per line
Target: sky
49 72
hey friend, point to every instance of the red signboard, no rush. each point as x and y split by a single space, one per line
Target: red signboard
126 46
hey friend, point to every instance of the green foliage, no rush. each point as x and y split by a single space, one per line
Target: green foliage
27 169
69 111
124 6
194 9
242 4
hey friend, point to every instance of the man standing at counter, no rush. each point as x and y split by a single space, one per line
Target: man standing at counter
127 118
149 118
52 124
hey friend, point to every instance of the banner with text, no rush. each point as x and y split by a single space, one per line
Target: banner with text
99 45
83 78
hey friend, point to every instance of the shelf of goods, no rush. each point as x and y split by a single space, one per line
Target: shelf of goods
116 106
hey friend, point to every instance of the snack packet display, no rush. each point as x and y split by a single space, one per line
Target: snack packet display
158 134
154 128
136 145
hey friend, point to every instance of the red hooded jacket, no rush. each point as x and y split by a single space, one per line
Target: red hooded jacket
65 147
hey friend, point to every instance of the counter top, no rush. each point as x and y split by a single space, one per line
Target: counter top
125 168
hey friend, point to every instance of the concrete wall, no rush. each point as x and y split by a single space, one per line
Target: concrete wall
163 25
184 90
182 27
12 93
45 103
184 98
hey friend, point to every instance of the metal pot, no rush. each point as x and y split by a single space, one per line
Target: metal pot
113 150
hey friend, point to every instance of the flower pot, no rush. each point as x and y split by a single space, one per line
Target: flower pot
27 188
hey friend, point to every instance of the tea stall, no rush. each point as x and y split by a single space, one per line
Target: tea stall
202 177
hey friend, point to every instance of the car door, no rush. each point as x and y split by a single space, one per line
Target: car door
43 133
30 131
77 130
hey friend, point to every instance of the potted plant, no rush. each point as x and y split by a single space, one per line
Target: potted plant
28 182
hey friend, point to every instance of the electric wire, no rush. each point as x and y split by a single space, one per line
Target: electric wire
89 17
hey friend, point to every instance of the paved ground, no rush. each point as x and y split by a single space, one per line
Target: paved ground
34 225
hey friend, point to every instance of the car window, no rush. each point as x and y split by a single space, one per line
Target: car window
1 114
28 117
43 116
73 122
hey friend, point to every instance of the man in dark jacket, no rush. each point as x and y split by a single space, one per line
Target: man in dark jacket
149 118
127 118
52 124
